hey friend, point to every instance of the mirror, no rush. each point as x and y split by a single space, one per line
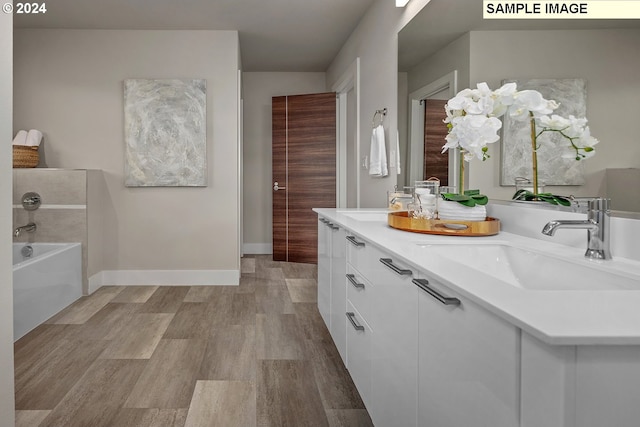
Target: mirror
448 36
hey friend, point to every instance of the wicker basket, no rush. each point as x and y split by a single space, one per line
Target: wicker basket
25 157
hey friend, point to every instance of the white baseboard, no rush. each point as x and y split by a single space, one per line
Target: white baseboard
257 248
163 278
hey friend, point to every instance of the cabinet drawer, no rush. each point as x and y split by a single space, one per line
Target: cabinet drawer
359 338
359 291
382 269
357 250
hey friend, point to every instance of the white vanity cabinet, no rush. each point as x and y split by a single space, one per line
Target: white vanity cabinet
380 290
324 270
468 362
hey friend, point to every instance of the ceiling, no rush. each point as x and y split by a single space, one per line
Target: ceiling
275 35
442 21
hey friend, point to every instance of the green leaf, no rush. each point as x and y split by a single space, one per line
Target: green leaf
480 199
471 192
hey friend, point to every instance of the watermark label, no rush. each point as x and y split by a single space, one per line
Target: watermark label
25 8
547 9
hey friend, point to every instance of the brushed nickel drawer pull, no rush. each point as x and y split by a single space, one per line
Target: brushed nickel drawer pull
333 226
401 271
353 240
424 285
351 316
354 282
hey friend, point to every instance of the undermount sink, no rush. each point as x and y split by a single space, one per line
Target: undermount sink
532 270
367 216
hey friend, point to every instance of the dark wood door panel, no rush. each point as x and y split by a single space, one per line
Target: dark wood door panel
435 130
279 174
310 165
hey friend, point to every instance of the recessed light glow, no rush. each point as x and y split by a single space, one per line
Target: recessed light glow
401 3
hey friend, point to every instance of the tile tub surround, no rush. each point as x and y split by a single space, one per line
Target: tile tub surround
208 355
606 317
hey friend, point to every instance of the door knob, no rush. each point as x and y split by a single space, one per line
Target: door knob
276 187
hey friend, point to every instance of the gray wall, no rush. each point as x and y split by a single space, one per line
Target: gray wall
69 85
375 42
7 406
258 89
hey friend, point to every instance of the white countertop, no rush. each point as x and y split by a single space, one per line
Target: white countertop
571 317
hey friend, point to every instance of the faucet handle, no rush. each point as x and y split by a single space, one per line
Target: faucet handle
600 204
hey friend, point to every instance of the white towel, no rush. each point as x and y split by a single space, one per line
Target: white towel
378 154
34 137
398 170
21 138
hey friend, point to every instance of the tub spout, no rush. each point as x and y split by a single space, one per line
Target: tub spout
29 228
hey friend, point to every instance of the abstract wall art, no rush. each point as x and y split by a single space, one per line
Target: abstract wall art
553 169
165 132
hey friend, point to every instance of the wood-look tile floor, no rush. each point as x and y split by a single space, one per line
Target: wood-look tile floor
257 354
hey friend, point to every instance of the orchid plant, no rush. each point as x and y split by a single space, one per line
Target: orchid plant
473 122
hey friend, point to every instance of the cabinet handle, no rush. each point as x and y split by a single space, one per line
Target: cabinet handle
351 316
333 226
389 263
323 220
424 285
354 282
353 240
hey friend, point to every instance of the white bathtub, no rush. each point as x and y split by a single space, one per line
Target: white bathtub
44 283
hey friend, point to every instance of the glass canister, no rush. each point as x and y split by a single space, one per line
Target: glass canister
398 200
426 194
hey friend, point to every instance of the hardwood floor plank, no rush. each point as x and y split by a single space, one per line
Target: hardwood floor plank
30 418
230 354
273 299
45 382
286 395
295 270
349 418
278 337
247 265
243 309
37 343
108 322
135 294
166 299
310 321
302 290
139 339
170 375
133 417
270 273
223 404
191 321
335 385
97 397
85 307
206 293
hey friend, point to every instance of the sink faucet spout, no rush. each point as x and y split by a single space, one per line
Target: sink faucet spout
596 224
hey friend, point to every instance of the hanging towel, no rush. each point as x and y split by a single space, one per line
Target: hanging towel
378 154
21 138
398 170
34 137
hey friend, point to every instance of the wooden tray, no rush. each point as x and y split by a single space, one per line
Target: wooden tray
400 220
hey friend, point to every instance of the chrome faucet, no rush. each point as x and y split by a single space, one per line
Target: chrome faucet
596 224
29 228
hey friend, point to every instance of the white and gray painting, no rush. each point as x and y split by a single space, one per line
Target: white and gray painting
571 94
165 132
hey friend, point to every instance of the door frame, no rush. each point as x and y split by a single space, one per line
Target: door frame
416 128
349 80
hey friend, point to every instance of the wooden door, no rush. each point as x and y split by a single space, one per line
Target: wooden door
304 166
435 130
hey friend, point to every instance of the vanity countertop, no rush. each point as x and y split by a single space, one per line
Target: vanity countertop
560 317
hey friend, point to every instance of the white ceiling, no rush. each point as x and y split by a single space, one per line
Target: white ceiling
275 35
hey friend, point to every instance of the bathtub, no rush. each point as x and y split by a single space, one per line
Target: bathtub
44 283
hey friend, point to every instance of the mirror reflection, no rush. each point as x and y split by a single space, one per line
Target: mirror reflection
448 47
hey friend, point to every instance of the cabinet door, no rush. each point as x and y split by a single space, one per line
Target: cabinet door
338 291
359 336
394 355
468 363
324 272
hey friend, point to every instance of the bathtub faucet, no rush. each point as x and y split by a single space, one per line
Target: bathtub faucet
29 228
